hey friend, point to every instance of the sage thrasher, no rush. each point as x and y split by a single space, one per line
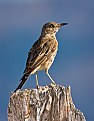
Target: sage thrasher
42 53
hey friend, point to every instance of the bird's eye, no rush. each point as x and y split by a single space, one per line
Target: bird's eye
52 26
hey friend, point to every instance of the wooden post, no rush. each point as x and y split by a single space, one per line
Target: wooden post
49 103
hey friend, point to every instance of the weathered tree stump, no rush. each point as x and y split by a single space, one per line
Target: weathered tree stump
49 103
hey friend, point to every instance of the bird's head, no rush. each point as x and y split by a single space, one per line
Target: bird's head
51 28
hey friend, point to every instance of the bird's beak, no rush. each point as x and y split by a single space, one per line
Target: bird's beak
62 24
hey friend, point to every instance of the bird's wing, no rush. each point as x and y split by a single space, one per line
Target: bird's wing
38 54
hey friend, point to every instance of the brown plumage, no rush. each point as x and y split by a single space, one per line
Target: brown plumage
42 53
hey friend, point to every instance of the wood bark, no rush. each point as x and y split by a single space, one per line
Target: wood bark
49 103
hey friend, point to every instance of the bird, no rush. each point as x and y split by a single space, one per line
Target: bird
42 53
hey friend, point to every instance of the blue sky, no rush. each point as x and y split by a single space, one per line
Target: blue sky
20 26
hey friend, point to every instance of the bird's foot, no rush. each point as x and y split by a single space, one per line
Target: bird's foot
37 86
53 84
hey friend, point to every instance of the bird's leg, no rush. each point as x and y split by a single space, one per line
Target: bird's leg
50 77
37 81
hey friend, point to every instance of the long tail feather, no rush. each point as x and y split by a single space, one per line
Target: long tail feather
23 80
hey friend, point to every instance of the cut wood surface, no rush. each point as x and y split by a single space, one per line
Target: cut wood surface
48 103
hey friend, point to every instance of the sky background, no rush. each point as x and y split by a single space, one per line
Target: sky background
20 26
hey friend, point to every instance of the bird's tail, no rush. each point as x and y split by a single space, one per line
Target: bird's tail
23 80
